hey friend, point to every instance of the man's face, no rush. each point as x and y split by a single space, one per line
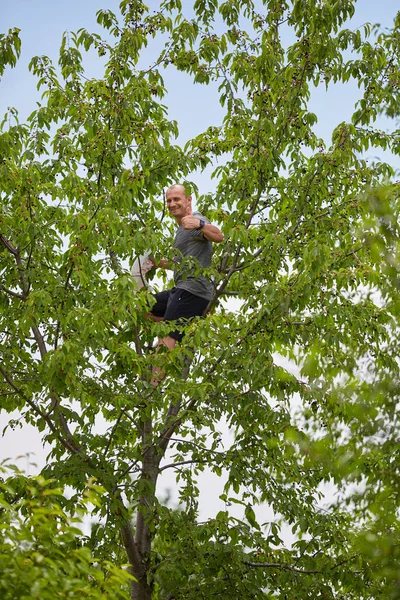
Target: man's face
178 204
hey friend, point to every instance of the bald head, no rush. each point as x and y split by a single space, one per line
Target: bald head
177 187
179 204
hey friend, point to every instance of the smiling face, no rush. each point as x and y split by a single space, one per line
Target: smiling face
179 205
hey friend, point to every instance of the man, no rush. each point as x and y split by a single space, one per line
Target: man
192 291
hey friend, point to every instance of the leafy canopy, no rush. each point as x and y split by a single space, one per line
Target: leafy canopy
304 372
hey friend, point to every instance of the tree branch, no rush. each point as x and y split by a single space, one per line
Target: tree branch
280 566
11 293
12 249
115 427
294 569
70 442
234 266
57 333
39 340
39 413
184 462
131 549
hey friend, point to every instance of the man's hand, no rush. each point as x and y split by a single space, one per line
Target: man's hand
190 222
164 263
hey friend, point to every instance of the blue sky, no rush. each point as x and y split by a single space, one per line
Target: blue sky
195 107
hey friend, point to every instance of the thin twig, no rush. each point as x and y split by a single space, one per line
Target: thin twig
115 426
183 462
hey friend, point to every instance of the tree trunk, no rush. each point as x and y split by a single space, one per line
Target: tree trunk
141 590
138 547
137 568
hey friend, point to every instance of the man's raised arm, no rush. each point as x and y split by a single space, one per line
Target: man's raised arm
209 231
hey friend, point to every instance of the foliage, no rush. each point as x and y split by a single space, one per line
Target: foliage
311 250
10 48
43 553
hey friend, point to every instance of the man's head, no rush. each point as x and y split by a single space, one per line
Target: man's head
178 203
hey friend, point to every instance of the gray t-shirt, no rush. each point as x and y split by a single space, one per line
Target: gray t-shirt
191 243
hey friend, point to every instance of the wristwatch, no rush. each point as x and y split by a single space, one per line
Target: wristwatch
202 223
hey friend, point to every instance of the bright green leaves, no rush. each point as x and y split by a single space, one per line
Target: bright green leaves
380 231
42 67
87 40
10 48
251 516
310 17
232 10
43 553
109 21
206 9
70 59
302 366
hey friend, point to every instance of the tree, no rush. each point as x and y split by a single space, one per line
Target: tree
311 251
42 550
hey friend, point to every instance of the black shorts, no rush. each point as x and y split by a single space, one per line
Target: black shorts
178 305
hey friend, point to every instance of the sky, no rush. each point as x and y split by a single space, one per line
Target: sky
195 107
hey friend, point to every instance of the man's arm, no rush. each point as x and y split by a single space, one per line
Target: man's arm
212 233
209 231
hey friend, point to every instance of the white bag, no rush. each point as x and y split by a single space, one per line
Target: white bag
142 265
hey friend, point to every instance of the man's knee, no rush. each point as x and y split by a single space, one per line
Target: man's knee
167 341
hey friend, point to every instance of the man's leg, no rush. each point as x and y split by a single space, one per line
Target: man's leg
160 306
157 315
157 372
182 305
